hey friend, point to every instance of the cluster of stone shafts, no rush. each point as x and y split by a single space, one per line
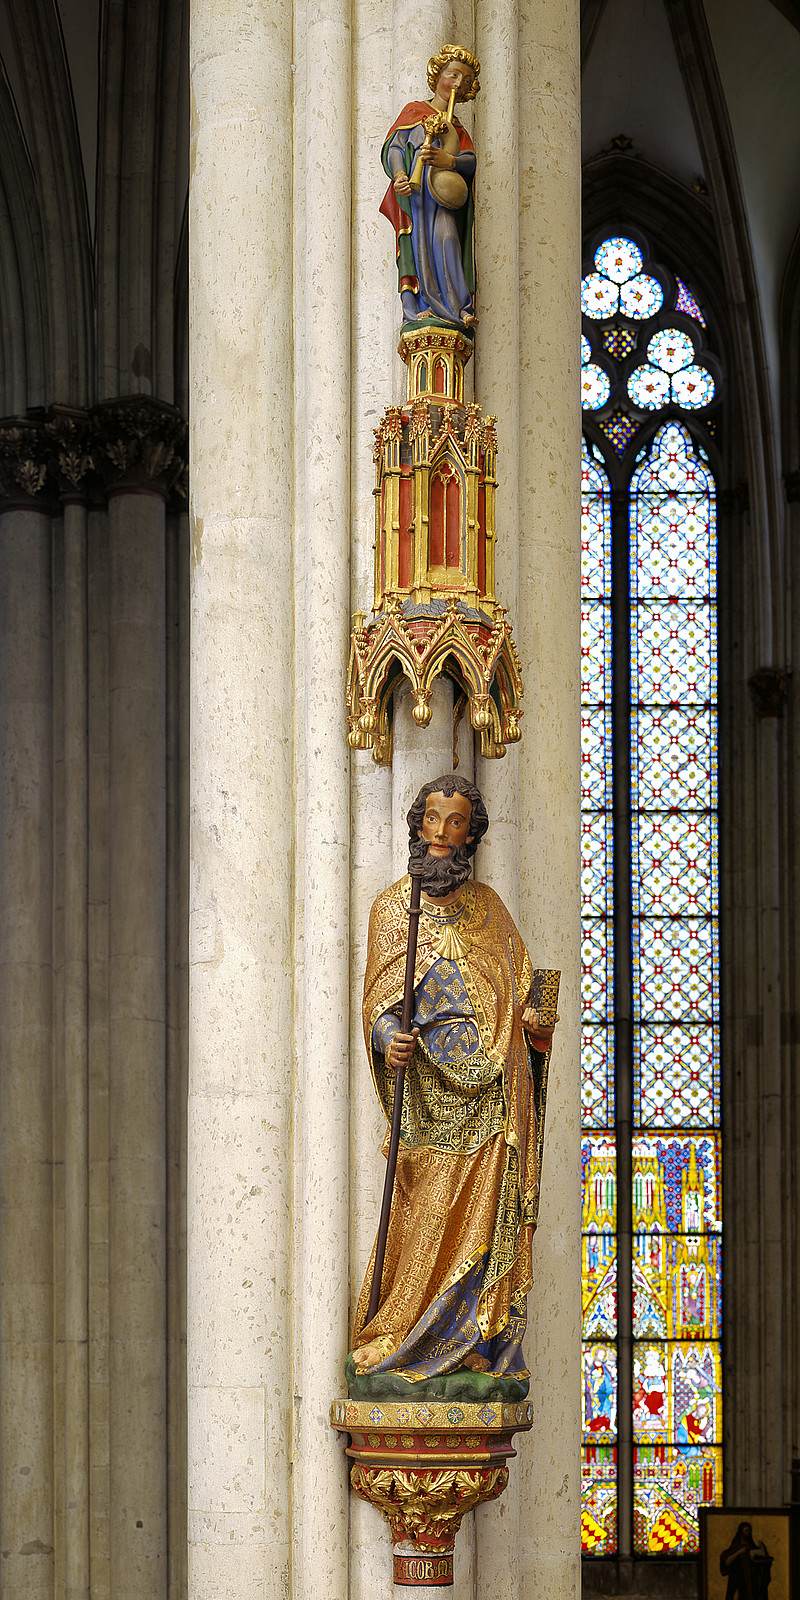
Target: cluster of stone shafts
434 607
425 1464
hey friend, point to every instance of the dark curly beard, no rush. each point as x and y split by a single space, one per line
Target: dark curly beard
443 874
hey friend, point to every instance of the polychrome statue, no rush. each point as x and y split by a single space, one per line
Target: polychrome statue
457 1268
430 160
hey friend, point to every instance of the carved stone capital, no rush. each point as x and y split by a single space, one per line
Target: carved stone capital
71 451
769 687
24 458
137 445
140 445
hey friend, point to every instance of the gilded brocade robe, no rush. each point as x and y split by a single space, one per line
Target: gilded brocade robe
458 1255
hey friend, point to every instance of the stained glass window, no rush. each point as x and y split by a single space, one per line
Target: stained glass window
652 1427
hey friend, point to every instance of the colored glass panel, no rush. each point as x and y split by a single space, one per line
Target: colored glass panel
597 952
676 1216
676 1286
595 387
672 520
620 429
670 349
676 1182
599 1389
619 342
599 1171
649 388
668 1485
676 1389
599 1175
618 259
673 644
687 303
676 1076
641 298
693 388
599 297
599 1500
599 1393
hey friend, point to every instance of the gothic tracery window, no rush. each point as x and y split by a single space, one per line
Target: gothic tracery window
652 1425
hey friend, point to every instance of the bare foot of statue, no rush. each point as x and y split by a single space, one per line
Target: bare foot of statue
469 319
475 1362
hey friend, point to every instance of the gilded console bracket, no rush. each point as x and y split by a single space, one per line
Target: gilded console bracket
425 1464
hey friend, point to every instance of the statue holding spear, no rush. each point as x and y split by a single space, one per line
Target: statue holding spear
458 1030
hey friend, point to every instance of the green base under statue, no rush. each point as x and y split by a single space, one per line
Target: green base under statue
463 1384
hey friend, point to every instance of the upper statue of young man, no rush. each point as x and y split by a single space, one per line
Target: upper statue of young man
429 199
458 1255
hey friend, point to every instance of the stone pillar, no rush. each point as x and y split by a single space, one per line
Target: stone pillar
497 380
241 948
377 307
26 1089
74 1034
548 635
322 634
137 1045
177 981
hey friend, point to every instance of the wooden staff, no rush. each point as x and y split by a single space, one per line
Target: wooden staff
417 871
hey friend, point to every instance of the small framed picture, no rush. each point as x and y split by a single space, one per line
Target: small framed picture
747 1554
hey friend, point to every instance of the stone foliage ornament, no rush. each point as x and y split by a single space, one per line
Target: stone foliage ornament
435 610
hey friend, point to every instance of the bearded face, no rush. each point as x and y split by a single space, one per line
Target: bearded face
443 874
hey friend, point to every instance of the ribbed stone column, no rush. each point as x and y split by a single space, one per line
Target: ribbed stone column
241 952
26 1215
497 363
137 1046
376 313
74 1022
497 357
323 630
548 635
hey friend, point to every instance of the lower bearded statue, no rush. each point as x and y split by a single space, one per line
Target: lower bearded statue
458 1253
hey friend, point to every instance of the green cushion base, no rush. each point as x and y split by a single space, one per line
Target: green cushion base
459 1385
